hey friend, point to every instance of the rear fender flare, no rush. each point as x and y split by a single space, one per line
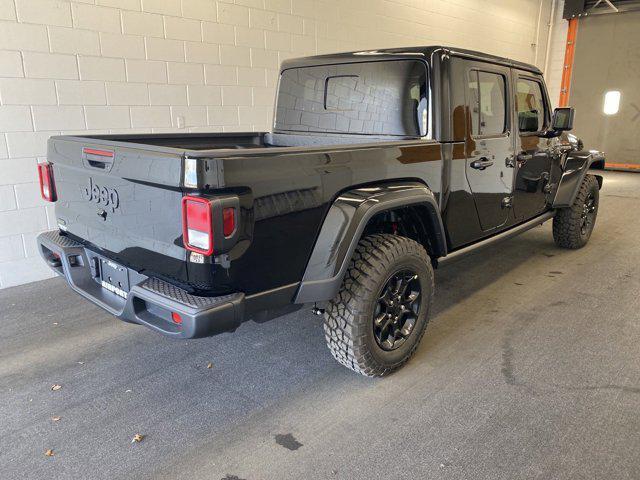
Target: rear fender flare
576 166
344 225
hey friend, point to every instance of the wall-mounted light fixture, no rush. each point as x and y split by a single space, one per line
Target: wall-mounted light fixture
611 102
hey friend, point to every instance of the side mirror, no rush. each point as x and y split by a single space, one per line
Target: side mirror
562 119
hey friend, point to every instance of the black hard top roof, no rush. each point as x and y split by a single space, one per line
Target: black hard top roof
424 53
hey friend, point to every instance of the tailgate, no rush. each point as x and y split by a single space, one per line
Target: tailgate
123 199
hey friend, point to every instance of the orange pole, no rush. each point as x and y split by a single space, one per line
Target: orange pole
624 166
568 62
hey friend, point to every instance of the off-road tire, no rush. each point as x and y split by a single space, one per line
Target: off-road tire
348 324
568 231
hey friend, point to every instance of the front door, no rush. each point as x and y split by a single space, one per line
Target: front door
489 170
532 159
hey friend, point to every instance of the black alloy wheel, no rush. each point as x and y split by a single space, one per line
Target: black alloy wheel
397 309
588 213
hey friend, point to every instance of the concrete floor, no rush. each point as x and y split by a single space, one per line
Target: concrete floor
530 369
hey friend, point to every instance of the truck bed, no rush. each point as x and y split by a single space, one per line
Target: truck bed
121 194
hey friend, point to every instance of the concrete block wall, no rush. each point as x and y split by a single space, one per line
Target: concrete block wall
110 66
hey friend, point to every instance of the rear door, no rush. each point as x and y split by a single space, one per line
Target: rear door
488 169
533 159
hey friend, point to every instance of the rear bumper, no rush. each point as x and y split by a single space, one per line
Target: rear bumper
150 301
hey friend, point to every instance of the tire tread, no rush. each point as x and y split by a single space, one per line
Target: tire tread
567 221
345 318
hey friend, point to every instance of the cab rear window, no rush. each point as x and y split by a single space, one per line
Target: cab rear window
374 98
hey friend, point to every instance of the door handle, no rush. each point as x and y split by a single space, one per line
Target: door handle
481 164
524 157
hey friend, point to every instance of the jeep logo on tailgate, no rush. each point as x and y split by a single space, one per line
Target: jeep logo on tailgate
107 197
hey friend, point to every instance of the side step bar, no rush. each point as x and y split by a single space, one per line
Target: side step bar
512 232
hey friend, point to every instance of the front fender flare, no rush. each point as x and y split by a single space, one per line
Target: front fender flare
343 227
575 168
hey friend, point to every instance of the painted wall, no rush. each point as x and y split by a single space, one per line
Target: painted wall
191 65
607 58
554 67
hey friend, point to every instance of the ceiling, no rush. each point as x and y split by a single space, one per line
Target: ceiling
580 8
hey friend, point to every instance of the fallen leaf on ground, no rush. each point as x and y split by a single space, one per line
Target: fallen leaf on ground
137 438
55 387
209 365
55 419
48 453
128 391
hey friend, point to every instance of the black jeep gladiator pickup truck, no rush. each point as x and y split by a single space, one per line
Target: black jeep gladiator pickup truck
381 166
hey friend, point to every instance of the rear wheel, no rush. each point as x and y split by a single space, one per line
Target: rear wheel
379 316
572 226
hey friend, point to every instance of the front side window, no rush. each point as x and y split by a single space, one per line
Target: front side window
530 105
487 93
374 98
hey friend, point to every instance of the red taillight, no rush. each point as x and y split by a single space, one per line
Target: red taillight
47 186
176 318
229 221
197 225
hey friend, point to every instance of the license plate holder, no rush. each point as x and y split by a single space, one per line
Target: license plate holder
113 277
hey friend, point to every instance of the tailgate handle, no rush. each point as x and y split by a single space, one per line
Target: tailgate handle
98 159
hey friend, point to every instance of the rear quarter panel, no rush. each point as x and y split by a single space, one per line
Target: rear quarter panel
292 194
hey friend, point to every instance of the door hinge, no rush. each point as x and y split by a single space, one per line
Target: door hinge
510 161
547 186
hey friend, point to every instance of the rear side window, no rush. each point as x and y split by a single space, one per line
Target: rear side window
487 93
529 105
375 98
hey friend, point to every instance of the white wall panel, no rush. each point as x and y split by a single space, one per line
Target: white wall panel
204 65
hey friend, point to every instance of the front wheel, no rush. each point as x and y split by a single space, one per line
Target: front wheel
572 226
375 323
